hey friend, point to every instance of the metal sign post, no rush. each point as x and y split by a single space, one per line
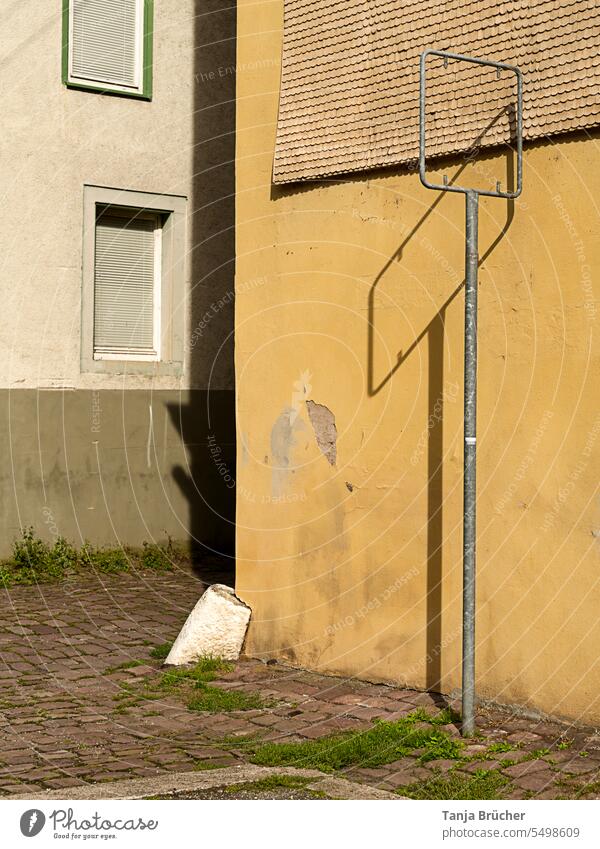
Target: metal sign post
470 411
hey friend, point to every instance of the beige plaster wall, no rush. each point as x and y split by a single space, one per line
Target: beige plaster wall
85 455
53 141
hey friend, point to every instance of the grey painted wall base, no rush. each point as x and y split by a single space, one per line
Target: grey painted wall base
119 467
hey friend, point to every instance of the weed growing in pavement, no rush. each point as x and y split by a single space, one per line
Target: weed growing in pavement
205 669
574 788
202 766
383 743
446 716
591 788
483 784
216 700
201 696
496 748
271 782
536 754
129 664
190 683
162 651
240 742
440 746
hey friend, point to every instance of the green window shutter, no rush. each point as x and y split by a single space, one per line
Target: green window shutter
124 286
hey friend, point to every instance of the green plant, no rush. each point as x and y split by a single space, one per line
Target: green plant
440 745
155 557
29 552
383 743
215 700
447 716
128 664
483 784
272 782
200 696
496 748
244 742
64 554
6 576
205 669
162 651
192 684
537 754
35 561
105 559
592 789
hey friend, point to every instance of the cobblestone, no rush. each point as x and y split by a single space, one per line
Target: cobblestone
62 724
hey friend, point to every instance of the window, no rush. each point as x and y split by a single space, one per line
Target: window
127 285
133 267
107 46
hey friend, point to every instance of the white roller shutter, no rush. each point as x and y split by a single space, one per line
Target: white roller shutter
105 41
125 286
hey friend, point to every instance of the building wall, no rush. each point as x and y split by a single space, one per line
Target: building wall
349 361
114 458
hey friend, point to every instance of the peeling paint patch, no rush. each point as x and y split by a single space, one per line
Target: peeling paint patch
283 440
323 423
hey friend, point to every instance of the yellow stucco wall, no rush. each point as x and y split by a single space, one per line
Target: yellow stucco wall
347 296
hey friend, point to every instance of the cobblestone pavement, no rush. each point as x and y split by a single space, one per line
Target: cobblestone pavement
62 724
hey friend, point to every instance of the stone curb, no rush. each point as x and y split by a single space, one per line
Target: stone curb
185 782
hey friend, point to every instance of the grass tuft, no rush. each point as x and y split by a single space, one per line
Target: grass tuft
537 754
383 743
496 748
192 684
215 700
272 782
156 557
483 784
129 664
447 716
204 670
109 560
162 651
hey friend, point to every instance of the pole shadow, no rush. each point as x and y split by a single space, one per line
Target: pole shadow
434 333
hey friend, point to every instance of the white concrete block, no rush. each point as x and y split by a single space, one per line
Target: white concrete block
216 627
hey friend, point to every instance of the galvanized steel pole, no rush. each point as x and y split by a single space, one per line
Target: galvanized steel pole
470 410
470 449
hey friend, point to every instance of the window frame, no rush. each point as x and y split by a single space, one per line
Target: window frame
169 276
144 51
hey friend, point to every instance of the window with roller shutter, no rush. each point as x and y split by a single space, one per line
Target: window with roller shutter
127 286
107 46
133 282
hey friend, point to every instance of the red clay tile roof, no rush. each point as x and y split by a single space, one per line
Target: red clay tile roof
350 76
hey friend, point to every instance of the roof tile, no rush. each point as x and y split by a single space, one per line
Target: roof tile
349 89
